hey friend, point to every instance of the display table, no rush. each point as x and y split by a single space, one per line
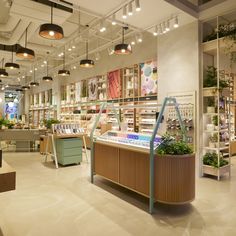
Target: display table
7 177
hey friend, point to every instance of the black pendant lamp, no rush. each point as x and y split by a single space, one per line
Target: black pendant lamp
47 78
87 63
3 73
50 30
24 52
25 87
123 48
64 72
11 65
34 83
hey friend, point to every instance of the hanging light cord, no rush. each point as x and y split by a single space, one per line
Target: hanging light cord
34 74
87 49
2 62
64 59
26 36
12 54
47 68
123 34
51 12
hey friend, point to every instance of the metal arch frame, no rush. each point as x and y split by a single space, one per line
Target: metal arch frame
168 101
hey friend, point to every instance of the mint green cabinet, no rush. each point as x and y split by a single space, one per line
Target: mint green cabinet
69 150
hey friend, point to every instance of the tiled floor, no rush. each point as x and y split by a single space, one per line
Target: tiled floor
50 202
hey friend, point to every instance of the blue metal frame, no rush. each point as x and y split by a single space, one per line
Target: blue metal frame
167 101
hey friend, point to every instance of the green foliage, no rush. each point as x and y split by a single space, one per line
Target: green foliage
215 120
211 159
48 123
170 146
210 101
214 138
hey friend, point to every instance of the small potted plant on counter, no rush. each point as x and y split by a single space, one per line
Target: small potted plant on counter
213 139
175 172
48 123
211 164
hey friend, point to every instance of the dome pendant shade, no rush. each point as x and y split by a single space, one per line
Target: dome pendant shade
25 53
26 87
51 31
64 72
87 63
12 65
47 78
123 49
34 84
3 73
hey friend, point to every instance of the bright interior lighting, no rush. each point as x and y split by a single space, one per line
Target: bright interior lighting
137 5
124 15
130 9
51 33
176 22
25 54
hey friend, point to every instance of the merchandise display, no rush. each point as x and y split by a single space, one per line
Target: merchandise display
67 129
132 139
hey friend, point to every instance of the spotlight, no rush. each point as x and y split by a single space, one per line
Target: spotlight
155 32
130 9
176 22
102 27
124 15
113 22
139 38
132 42
137 5
167 26
73 46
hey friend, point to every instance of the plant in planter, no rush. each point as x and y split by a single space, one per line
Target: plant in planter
48 123
175 163
211 105
210 79
213 139
3 122
215 121
211 159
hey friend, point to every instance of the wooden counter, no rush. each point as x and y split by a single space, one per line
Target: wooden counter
7 177
129 167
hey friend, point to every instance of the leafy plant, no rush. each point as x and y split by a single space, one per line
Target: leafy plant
214 138
48 123
172 147
215 120
3 122
210 101
210 79
211 159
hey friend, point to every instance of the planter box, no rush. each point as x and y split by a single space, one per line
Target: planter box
211 110
210 170
209 92
175 179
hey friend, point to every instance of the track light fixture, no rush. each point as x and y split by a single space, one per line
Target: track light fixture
176 22
87 63
130 9
3 73
50 30
137 5
167 25
11 65
47 78
155 32
123 48
124 15
139 38
113 22
24 52
102 27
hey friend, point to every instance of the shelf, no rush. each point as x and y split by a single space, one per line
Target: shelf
217 149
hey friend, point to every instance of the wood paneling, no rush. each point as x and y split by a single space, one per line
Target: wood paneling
175 179
106 161
127 168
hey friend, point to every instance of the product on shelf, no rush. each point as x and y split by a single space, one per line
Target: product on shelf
67 129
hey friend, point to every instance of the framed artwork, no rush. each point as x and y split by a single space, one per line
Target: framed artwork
148 78
114 84
92 89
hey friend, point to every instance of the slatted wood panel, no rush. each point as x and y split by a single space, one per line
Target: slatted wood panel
106 161
175 179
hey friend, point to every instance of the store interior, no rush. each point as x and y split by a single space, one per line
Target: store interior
120 114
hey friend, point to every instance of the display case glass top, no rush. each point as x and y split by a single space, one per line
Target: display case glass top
128 138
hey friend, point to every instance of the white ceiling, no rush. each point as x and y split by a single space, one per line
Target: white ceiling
23 12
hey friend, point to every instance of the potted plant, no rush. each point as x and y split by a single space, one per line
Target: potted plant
213 140
212 164
210 105
215 121
3 123
175 171
48 123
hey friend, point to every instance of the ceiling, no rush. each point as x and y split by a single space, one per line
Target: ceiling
17 15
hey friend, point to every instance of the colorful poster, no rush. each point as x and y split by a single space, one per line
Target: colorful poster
114 84
92 89
148 78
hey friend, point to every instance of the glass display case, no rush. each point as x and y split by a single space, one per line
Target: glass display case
128 138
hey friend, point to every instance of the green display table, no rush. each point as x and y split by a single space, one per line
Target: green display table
69 150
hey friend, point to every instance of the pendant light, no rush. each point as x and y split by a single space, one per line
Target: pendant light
50 30
24 52
64 72
123 48
34 83
3 73
11 65
26 87
47 78
87 63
